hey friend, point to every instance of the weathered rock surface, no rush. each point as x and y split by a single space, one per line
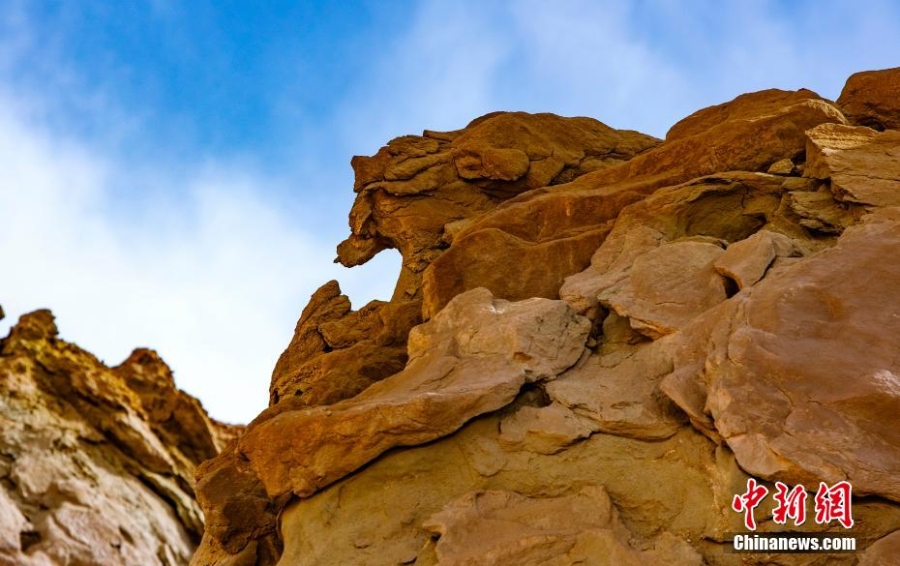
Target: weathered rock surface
862 165
96 463
413 195
337 352
531 243
502 527
885 552
800 373
715 139
872 99
416 185
684 230
745 262
471 359
618 393
590 350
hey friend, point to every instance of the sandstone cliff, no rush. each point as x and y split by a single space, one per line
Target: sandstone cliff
596 338
96 463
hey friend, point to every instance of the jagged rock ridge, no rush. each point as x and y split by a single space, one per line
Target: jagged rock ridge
595 340
96 463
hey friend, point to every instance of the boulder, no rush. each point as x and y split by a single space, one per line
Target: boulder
872 99
798 374
746 261
862 165
618 395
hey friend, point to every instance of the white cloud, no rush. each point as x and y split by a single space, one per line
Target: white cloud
457 61
213 275
586 58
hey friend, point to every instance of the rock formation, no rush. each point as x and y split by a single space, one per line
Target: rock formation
96 463
595 340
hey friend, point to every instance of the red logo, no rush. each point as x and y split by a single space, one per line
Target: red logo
749 501
832 503
791 504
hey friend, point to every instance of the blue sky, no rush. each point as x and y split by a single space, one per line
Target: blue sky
176 174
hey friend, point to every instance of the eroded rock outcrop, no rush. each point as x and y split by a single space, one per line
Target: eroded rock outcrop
414 195
531 243
799 373
861 165
872 99
596 339
337 352
410 194
96 463
471 359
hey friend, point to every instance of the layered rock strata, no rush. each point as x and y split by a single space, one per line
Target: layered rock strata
596 339
96 463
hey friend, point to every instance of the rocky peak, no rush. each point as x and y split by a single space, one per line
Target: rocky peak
96 463
35 326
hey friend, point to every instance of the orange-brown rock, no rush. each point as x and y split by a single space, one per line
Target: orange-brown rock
528 245
526 248
515 268
862 165
431 398
544 430
885 552
654 291
798 374
667 492
96 464
416 185
737 281
502 527
715 139
820 212
337 352
745 262
177 418
667 287
872 99
618 393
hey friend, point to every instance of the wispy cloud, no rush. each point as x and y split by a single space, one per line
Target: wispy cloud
588 58
437 71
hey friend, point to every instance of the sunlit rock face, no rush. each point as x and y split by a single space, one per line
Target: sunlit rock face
596 339
96 463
